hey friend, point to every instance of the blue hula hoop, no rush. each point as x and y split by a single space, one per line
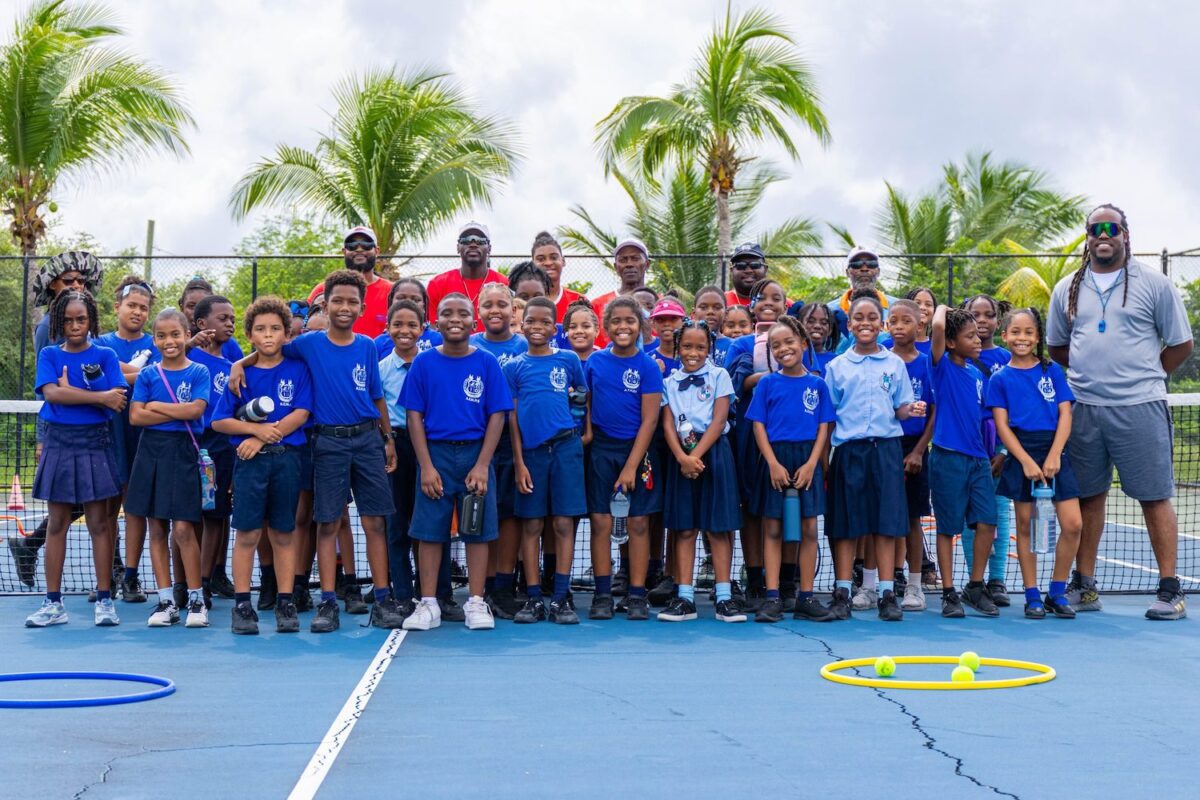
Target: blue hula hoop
165 685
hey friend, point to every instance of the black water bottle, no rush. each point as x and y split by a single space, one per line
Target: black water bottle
470 519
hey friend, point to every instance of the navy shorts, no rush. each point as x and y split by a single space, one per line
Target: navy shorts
505 486
345 466
1013 483
164 482
916 487
963 491
706 503
77 465
265 489
606 459
747 460
125 437
866 490
556 469
431 518
223 455
306 462
767 502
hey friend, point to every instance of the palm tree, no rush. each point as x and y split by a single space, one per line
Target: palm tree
69 105
676 217
1035 277
747 84
406 153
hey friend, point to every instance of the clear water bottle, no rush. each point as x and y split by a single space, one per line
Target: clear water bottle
791 514
1043 515
619 508
687 434
208 482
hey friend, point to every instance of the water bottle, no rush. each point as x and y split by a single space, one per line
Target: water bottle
140 359
1043 514
687 434
470 520
257 410
791 514
619 508
577 397
208 482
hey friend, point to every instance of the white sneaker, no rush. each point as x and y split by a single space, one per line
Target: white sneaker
106 614
479 615
165 615
49 614
865 599
914 598
425 617
197 615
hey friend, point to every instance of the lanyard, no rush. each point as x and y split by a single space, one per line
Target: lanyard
1105 296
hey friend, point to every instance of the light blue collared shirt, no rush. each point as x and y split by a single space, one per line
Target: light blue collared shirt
695 403
392 372
866 391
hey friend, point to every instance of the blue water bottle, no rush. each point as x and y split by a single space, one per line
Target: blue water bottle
1043 515
791 514
208 482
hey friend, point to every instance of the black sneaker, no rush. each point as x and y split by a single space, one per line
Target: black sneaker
729 611
856 578
534 610
637 608
563 611
754 597
131 590
662 592
406 607
736 593
620 584
1059 607
787 593
24 551
952 604
1035 610
602 607
975 595
900 578
354 600
771 610
889 609
286 620
206 593
678 610
503 603
811 609
268 593
385 613
451 611
839 604
245 621
547 583
929 578
339 585
999 593
302 597
327 619
221 586
622 605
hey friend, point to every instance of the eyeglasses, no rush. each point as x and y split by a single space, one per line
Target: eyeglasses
1096 229
748 264
467 241
864 264
359 244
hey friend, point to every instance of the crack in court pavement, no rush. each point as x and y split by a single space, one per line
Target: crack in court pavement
931 742
110 764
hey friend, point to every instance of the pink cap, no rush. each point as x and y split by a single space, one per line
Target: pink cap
668 307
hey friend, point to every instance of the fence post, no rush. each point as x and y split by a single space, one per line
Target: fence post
254 278
26 263
721 269
1166 263
950 282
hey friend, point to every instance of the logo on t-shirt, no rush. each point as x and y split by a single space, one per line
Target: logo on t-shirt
1046 387
423 345
219 382
996 368
632 379
285 391
705 392
917 386
473 387
360 377
91 372
979 390
183 392
558 378
504 358
885 380
811 399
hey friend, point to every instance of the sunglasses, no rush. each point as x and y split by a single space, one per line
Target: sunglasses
744 265
359 244
1096 229
467 241
73 281
864 265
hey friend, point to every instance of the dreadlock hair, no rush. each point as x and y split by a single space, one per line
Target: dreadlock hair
543 239
698 324
790 324
1041 331
756 292
204 307
196 284
528 271
408 282
581 305
956 320
830 344
345 277
540 302
133 284
1077 278
58 312
266 304
626 302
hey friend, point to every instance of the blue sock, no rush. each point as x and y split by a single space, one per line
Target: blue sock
56 597
327 596
562 585
843 585
887 586
504 580
103 594
802 596
637 591
131 573
489 583
655 567
1033 597
383 594
604 584
724 591
756 575
241 597
772 594
687 592
534 590
548 563
1058 588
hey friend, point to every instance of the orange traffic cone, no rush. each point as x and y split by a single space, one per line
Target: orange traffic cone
16 498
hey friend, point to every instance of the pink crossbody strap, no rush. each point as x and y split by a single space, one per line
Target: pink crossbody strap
171 394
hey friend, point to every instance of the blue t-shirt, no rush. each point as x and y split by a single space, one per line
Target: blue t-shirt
720 348
287 383
993 359
456 394
127 350
540 386
959 393
504 351
617 385
428 339
95 369
231 351
345 378
815 362
665 364
218 370
791 408
925 347
190 383
1031 396
920 375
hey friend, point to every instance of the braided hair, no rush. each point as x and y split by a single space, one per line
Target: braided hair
787 323
1041 331
689 323
1077 278
528 271
756 292
582 305
830 344
58 312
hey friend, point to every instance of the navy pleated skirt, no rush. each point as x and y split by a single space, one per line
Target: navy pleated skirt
866 490
164 482
707 503
77 466
768 502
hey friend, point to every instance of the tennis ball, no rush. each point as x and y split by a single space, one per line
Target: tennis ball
962 675
970 660
885 667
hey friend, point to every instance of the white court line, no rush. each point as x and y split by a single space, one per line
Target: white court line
339 732
1132 565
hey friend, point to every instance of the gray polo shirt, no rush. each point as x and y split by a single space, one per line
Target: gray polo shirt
1120 367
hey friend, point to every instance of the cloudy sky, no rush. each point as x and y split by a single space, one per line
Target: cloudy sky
1101 94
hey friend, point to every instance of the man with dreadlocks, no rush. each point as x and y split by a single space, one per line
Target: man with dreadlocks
1120 328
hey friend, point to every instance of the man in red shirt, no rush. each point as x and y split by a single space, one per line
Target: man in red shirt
474 248
632 259
547 254
360 249
747 267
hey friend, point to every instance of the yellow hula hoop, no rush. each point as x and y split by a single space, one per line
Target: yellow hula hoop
1041 674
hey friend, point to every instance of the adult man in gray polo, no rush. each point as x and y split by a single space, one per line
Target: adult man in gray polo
1120 328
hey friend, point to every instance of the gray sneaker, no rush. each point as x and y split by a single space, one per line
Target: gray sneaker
865 599
1082 593
1169 604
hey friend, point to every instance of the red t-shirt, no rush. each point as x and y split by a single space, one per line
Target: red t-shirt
598 304
732 299
564 301
452 281
375 305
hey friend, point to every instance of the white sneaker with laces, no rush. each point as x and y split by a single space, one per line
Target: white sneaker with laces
51 613
865 599
165 615
479 615
106 614
914 598
197 615
425 617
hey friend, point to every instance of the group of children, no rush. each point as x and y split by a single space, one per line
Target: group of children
704 425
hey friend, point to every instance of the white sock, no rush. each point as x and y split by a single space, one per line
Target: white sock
432 602
166 594
870 576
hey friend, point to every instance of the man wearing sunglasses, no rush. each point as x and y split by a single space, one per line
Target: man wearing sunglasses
474 270
360 251
747 267
1120 329
862 270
